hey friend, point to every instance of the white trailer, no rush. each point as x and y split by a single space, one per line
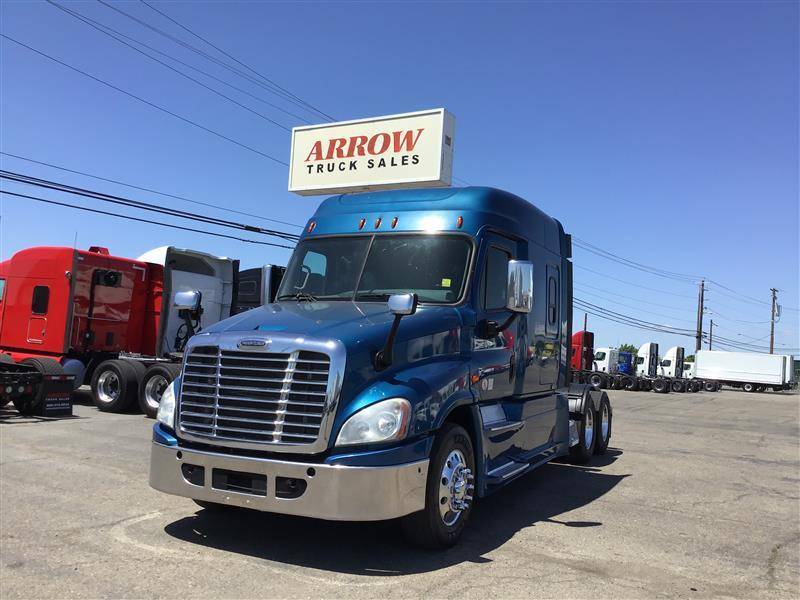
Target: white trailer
747 370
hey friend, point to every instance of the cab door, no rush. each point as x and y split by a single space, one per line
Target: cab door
496 356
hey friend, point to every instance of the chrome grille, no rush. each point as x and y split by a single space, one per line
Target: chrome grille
255 397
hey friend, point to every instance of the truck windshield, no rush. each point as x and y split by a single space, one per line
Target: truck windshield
600 356
371 268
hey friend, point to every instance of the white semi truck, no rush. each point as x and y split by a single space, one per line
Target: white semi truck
750 371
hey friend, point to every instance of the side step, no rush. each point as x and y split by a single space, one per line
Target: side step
513 468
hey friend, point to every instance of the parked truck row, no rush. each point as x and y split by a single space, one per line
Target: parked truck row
610 368
117 324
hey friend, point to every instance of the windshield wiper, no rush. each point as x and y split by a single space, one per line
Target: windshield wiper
299 296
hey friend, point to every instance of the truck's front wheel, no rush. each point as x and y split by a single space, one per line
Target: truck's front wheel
449 491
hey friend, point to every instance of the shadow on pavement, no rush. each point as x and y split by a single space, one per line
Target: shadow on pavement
379 548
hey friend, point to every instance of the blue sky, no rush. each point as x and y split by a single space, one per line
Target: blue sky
664 132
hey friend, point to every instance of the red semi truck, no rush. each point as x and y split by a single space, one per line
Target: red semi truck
116 323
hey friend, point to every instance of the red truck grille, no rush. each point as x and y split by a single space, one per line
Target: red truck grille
255 397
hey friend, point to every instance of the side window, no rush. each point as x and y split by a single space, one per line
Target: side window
495 279
666 363
552 301
41 298
2 288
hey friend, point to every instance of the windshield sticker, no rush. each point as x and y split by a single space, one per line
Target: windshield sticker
446 283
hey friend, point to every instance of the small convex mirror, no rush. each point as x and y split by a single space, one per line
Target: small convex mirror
403 304
187 300
519 296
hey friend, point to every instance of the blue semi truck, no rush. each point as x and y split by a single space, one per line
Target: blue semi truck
416 357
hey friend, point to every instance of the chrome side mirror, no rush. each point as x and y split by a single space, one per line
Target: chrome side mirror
187 300
403 304
519 294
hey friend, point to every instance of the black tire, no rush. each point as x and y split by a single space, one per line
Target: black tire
709 386
677 386
581 452
27 405
659 386
596 381
115 385
645 385
428 528
749 387
632 384
617 384
696 386
155 380
603 436
5 358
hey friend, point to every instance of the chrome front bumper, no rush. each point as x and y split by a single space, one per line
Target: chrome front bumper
334 492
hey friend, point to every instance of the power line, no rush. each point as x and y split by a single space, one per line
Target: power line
633 264
150 190
605 291
237 61
117 32
44 183
664 328
634 307
633 284
147 102
206 55
130 218
170 67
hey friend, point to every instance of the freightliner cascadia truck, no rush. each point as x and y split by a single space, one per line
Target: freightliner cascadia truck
416 358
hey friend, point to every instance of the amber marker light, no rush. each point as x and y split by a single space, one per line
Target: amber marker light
394 222
311 226
378 222
361 223
459 222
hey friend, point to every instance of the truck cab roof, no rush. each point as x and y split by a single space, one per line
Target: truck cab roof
455 210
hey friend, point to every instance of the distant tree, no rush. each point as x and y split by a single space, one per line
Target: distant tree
628 348
689 358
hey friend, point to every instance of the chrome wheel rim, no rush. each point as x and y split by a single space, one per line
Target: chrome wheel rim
588 430
154 389
605 422
108 387
455 488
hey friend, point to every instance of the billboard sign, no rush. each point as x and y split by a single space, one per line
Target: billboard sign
395 151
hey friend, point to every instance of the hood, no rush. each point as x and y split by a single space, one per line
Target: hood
359 326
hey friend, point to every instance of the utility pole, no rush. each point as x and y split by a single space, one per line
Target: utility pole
699 334
772 321
710 333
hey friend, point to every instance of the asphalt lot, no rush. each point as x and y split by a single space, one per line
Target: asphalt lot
698 497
